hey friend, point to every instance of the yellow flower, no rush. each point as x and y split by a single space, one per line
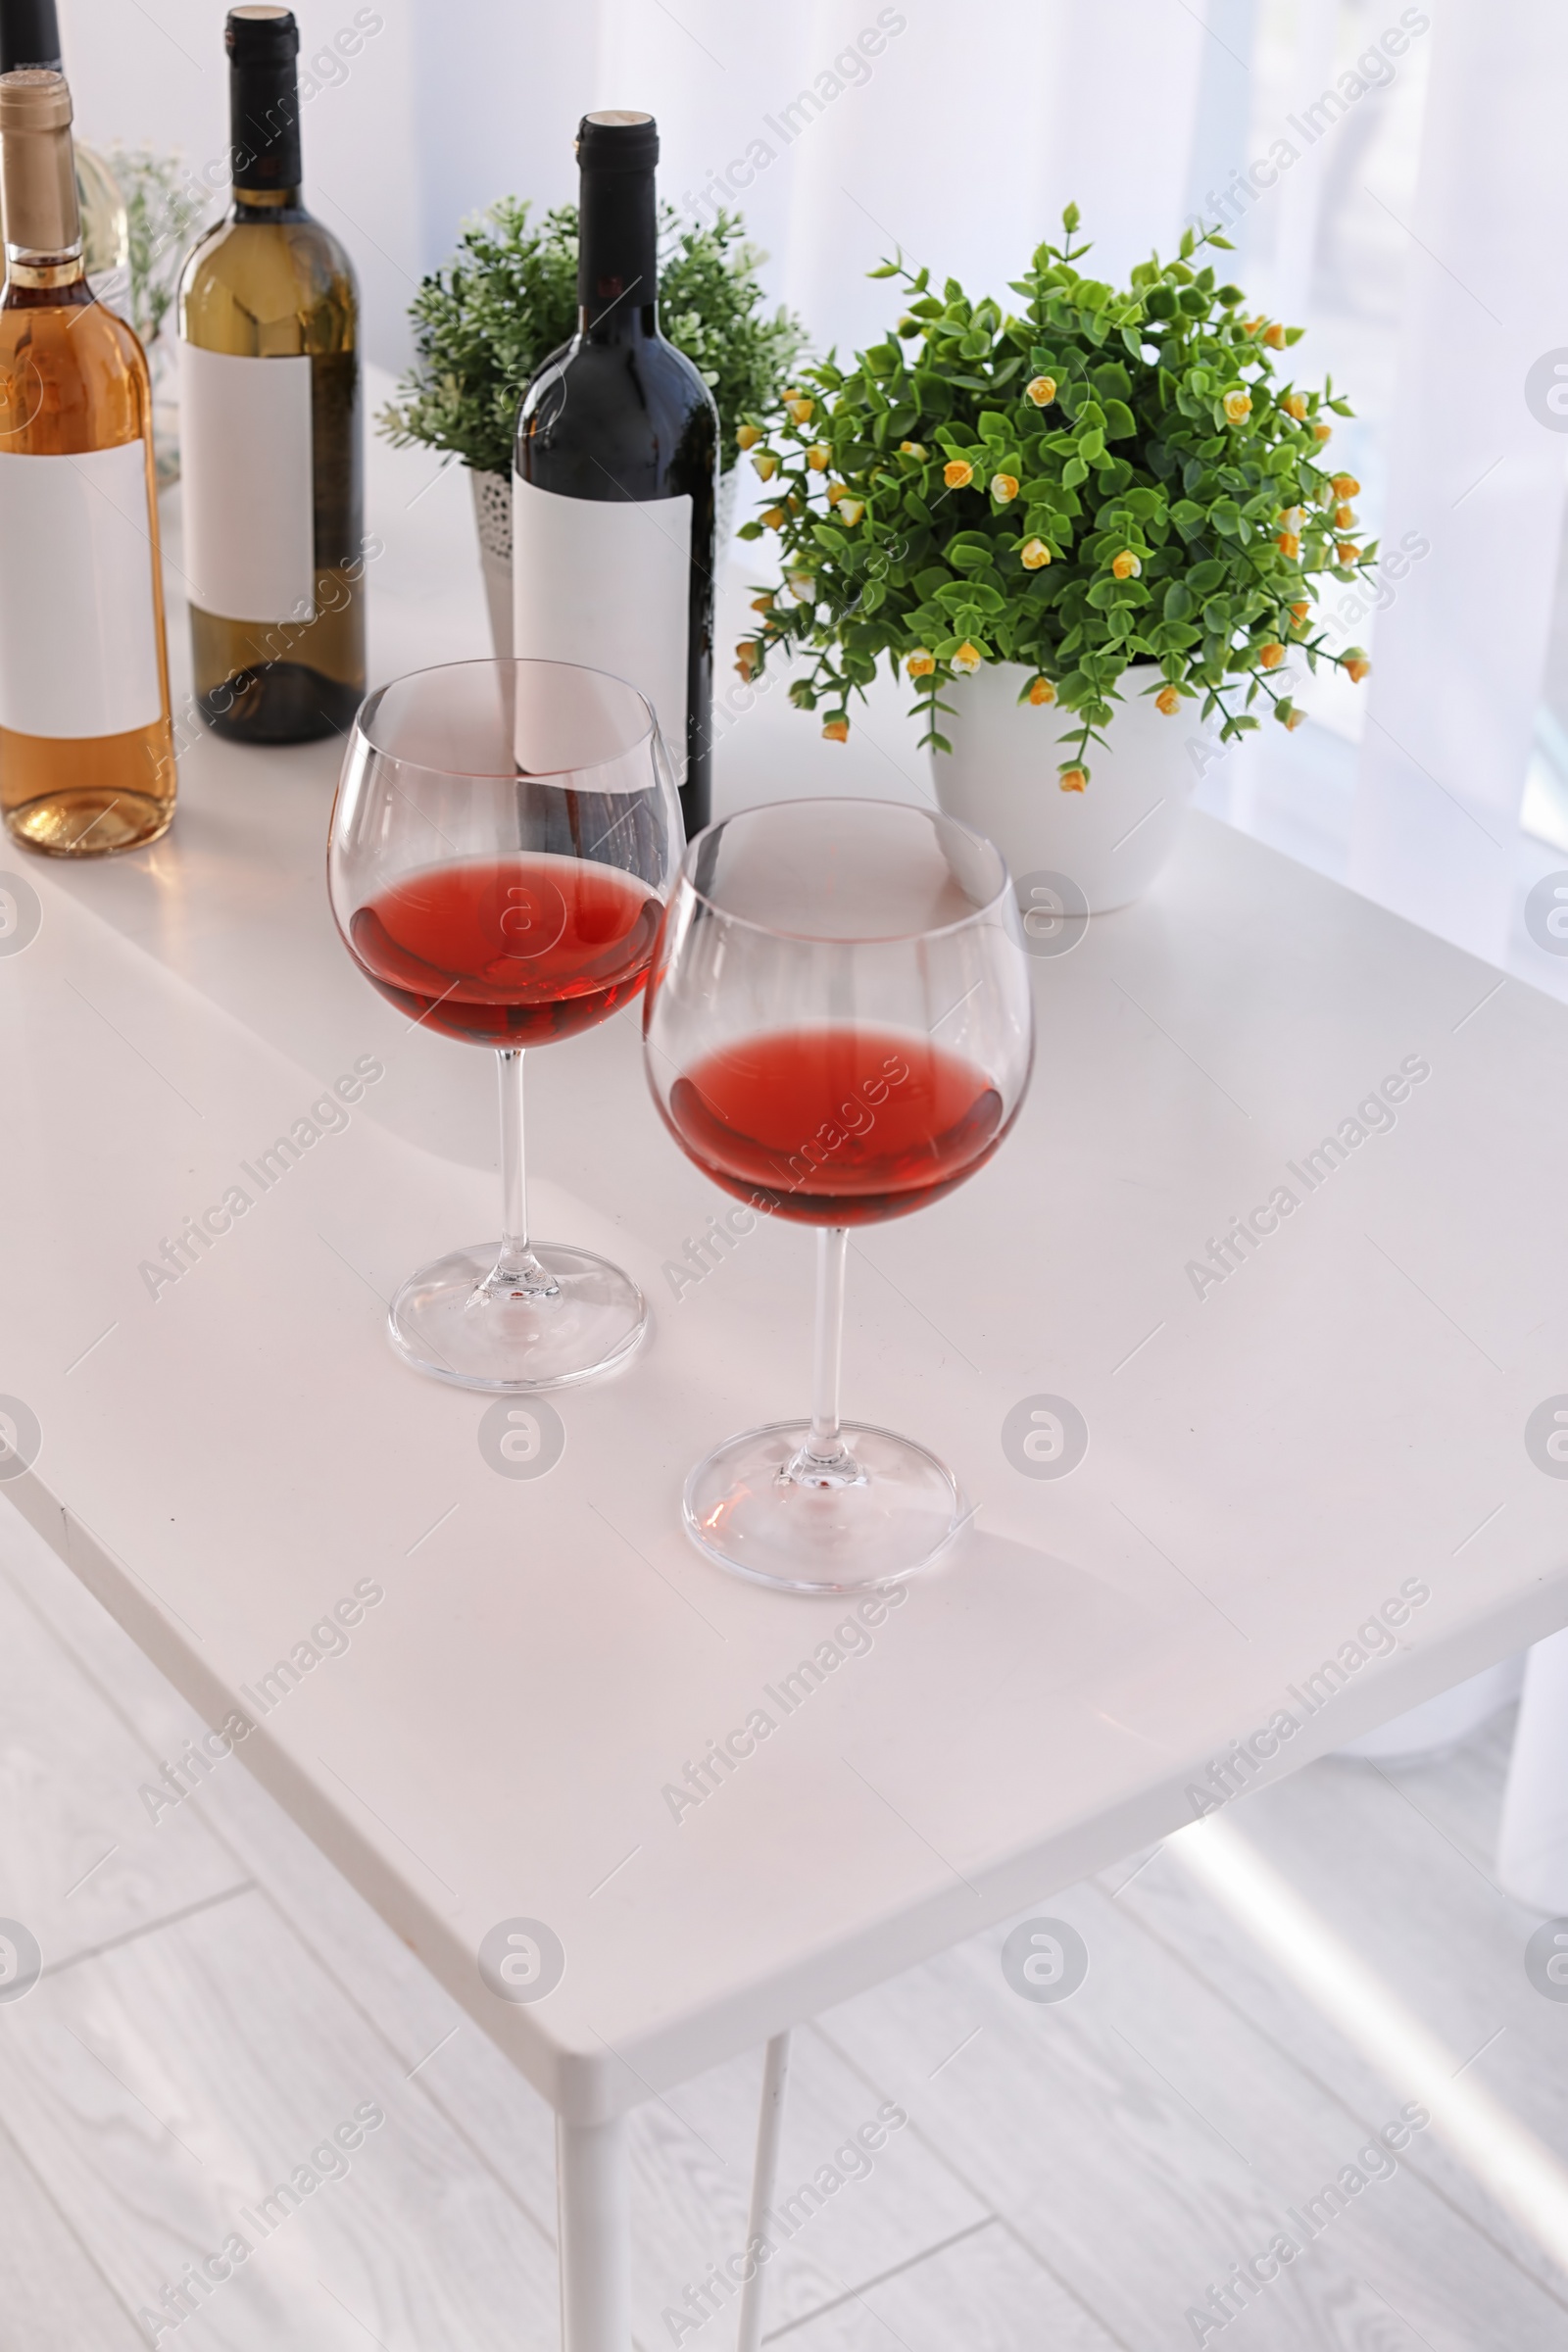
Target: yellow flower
800 410
1289 544
1041 692
957 473
766 465
816 456
773 517
802 586
911 449
1126 565
836 730
1324 432
1271 657
1033 554
1003 486
747 654
1168 701
1344 517
1299 612
1043 391
967 658
920 664
1237 406
1345 485
850 510
763 604
1357 664
1073 779
836 491
1274 338
746 436
1295 405
1346 551
1289 716
1249 326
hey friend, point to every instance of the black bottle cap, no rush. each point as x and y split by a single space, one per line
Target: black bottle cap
263 103
614 141
30 36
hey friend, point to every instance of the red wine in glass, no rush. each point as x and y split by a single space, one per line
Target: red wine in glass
503 840
508 951
836 1126
838 1030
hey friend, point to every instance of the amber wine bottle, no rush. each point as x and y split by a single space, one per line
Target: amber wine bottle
269 427
86 747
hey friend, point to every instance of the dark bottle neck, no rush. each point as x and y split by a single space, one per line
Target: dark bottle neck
264 125
618 257
30 36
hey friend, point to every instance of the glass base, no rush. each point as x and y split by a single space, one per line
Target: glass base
560 1315
762 1504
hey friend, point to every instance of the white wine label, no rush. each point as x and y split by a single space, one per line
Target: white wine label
247 485
607 583
78 631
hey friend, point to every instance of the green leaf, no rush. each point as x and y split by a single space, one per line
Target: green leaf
1178 602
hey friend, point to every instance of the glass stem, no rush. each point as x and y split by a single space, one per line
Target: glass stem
513 1180
516 1272
824 1444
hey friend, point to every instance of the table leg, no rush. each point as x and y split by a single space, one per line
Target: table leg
765 2177
1533 1841
593 2201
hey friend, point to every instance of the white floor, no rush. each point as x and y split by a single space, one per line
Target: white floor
1074 2175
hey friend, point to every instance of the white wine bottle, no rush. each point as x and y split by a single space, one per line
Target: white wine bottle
269 427
86 747
29 36
615 471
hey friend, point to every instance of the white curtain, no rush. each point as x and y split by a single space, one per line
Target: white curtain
1391 172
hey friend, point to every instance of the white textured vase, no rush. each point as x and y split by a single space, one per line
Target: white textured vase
492 517
1109 840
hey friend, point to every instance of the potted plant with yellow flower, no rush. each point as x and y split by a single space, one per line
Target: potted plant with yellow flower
1108 509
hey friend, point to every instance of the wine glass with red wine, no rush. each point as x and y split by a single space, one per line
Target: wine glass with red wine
837 1029
502 846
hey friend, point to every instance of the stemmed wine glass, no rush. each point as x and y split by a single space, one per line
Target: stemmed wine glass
837 1029
501 845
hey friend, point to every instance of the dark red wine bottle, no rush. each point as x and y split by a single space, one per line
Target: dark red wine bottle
615 471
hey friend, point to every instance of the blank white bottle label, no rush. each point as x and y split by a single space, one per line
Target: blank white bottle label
78 631
607 582
247 485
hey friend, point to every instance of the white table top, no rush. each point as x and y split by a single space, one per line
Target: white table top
1268 1464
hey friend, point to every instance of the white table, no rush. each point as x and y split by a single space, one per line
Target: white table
1268 1464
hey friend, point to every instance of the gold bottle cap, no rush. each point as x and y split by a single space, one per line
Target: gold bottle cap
37 169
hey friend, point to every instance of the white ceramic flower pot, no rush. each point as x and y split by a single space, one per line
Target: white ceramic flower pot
1001 777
